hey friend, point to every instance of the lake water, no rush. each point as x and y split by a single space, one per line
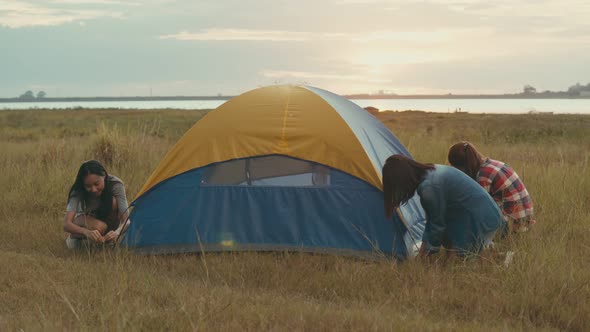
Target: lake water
579 106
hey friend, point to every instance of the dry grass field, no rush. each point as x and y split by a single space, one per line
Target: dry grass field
44 286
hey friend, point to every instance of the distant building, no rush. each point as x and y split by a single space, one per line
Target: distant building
584 93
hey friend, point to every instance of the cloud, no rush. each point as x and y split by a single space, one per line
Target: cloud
577 10
218 34
282 74
240 35
512 23
95 2
357 2
19 14
433 36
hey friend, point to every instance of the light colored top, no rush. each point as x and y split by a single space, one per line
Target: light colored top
457 210
76 204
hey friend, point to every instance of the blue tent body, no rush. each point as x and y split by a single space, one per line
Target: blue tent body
267 199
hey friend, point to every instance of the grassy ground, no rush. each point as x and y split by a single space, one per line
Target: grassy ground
43 286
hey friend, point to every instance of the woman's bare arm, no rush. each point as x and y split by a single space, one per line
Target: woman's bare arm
70 226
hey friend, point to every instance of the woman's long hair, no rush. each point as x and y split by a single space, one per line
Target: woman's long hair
401 177
105 208
465 157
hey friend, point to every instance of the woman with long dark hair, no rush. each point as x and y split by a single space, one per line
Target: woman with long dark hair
97 206
460 215
500 181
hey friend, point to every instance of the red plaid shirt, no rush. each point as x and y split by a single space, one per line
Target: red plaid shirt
505 186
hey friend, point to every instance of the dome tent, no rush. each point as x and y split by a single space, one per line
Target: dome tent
276 168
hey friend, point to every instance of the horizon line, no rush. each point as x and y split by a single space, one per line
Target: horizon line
549 95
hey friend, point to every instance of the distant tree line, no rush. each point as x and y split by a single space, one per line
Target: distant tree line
29 95
573 91
578 89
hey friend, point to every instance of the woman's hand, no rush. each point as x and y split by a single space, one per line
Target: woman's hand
94 235
112 235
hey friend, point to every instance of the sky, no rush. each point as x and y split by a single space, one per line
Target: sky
192 47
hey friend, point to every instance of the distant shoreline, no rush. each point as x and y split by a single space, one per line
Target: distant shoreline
98 99
451 96
358 97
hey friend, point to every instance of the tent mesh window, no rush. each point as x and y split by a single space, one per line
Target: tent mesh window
267 171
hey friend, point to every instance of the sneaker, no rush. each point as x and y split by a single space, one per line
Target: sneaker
72 243
489 245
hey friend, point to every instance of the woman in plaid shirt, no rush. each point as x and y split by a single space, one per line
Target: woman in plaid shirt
498 179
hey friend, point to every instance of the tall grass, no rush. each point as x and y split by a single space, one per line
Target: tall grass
43 286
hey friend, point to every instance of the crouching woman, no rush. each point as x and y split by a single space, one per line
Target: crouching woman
97 206
460 215
500 181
